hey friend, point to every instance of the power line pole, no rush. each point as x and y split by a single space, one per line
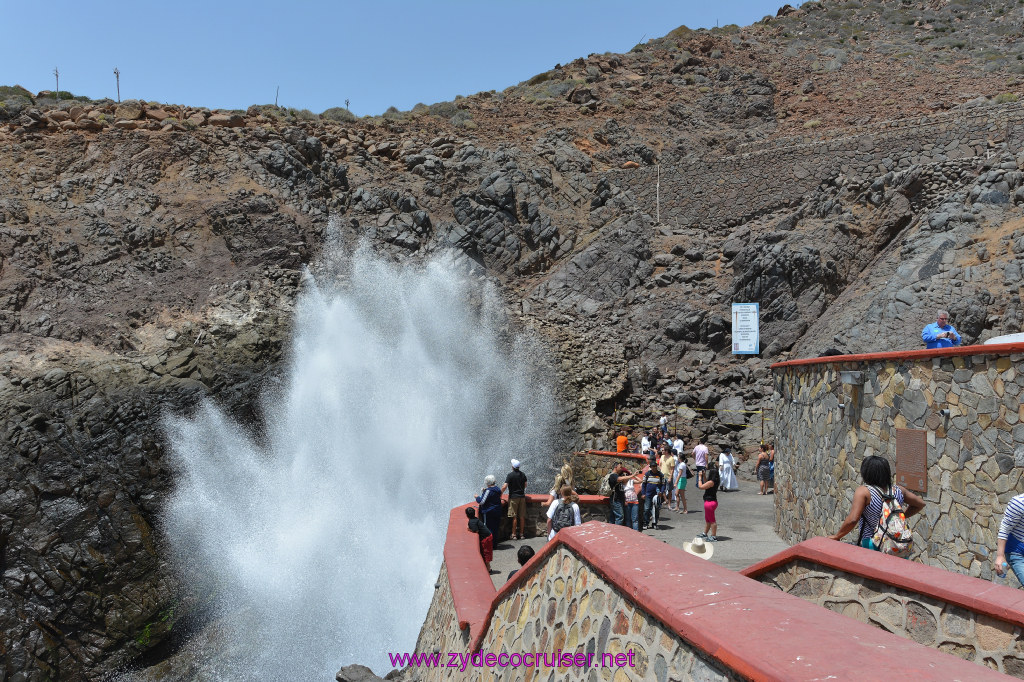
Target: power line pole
56 74
117 75
276 93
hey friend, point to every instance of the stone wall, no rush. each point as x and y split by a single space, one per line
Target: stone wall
765 176
926 620
568 606
661 613
588 467
975 453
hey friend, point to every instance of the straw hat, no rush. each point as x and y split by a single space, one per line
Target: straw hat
699 548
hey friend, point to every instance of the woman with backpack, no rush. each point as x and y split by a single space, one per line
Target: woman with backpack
563 513
876 496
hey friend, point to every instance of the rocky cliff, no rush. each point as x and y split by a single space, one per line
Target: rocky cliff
850 166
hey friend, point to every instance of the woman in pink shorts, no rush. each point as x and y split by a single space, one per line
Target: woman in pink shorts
708 481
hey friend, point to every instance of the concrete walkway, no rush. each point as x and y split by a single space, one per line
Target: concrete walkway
745 531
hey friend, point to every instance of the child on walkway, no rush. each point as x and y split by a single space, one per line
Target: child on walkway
486 539
679 483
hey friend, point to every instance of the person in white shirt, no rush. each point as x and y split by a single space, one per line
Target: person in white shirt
727 470
700 457
563 512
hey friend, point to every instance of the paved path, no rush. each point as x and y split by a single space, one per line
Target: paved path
745 531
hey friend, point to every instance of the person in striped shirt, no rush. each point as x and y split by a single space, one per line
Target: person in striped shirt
1010 547
867 502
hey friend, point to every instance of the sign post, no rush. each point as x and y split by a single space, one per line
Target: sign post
746 330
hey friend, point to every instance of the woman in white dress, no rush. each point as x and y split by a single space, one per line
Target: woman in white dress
727 470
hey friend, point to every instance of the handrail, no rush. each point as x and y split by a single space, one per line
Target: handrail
920 354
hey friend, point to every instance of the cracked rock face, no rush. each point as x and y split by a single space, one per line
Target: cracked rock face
150 258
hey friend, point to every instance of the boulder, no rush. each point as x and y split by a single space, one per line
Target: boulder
129 110
356 673
156 114
227 120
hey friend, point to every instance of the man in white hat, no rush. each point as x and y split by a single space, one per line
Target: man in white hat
515 484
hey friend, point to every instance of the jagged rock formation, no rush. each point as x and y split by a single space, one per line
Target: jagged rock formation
850 166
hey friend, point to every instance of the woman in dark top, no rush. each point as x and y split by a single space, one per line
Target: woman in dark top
764 468
867 502
489 500
708 481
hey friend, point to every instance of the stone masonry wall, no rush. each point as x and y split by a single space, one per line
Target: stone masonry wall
440 631
975 454
565 605
719 192
926 620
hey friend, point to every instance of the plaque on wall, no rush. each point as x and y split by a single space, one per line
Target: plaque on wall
912 459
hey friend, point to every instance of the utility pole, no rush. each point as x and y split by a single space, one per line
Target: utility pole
346 105
56 74
117 75
278 92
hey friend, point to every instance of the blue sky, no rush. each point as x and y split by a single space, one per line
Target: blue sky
230 54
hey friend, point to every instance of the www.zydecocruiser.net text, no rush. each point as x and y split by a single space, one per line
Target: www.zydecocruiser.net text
478 659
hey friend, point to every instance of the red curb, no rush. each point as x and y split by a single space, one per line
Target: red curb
980 596
472 589
625 455
924 354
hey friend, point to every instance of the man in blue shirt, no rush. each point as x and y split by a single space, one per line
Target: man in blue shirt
940 334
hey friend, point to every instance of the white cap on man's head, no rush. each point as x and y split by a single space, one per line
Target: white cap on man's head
516 463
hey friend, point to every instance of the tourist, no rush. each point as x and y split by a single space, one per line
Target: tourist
700 457
563 513
524 554
632 506
1010 545
763 468
515 484
708 481
621 442
679 482
867 501
668 469
563 477
489 500
664 424
652 489
677 445
617 498
940 333
727 470
486 539
645 443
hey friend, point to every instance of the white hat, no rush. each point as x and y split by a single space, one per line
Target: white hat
516 463
699 548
